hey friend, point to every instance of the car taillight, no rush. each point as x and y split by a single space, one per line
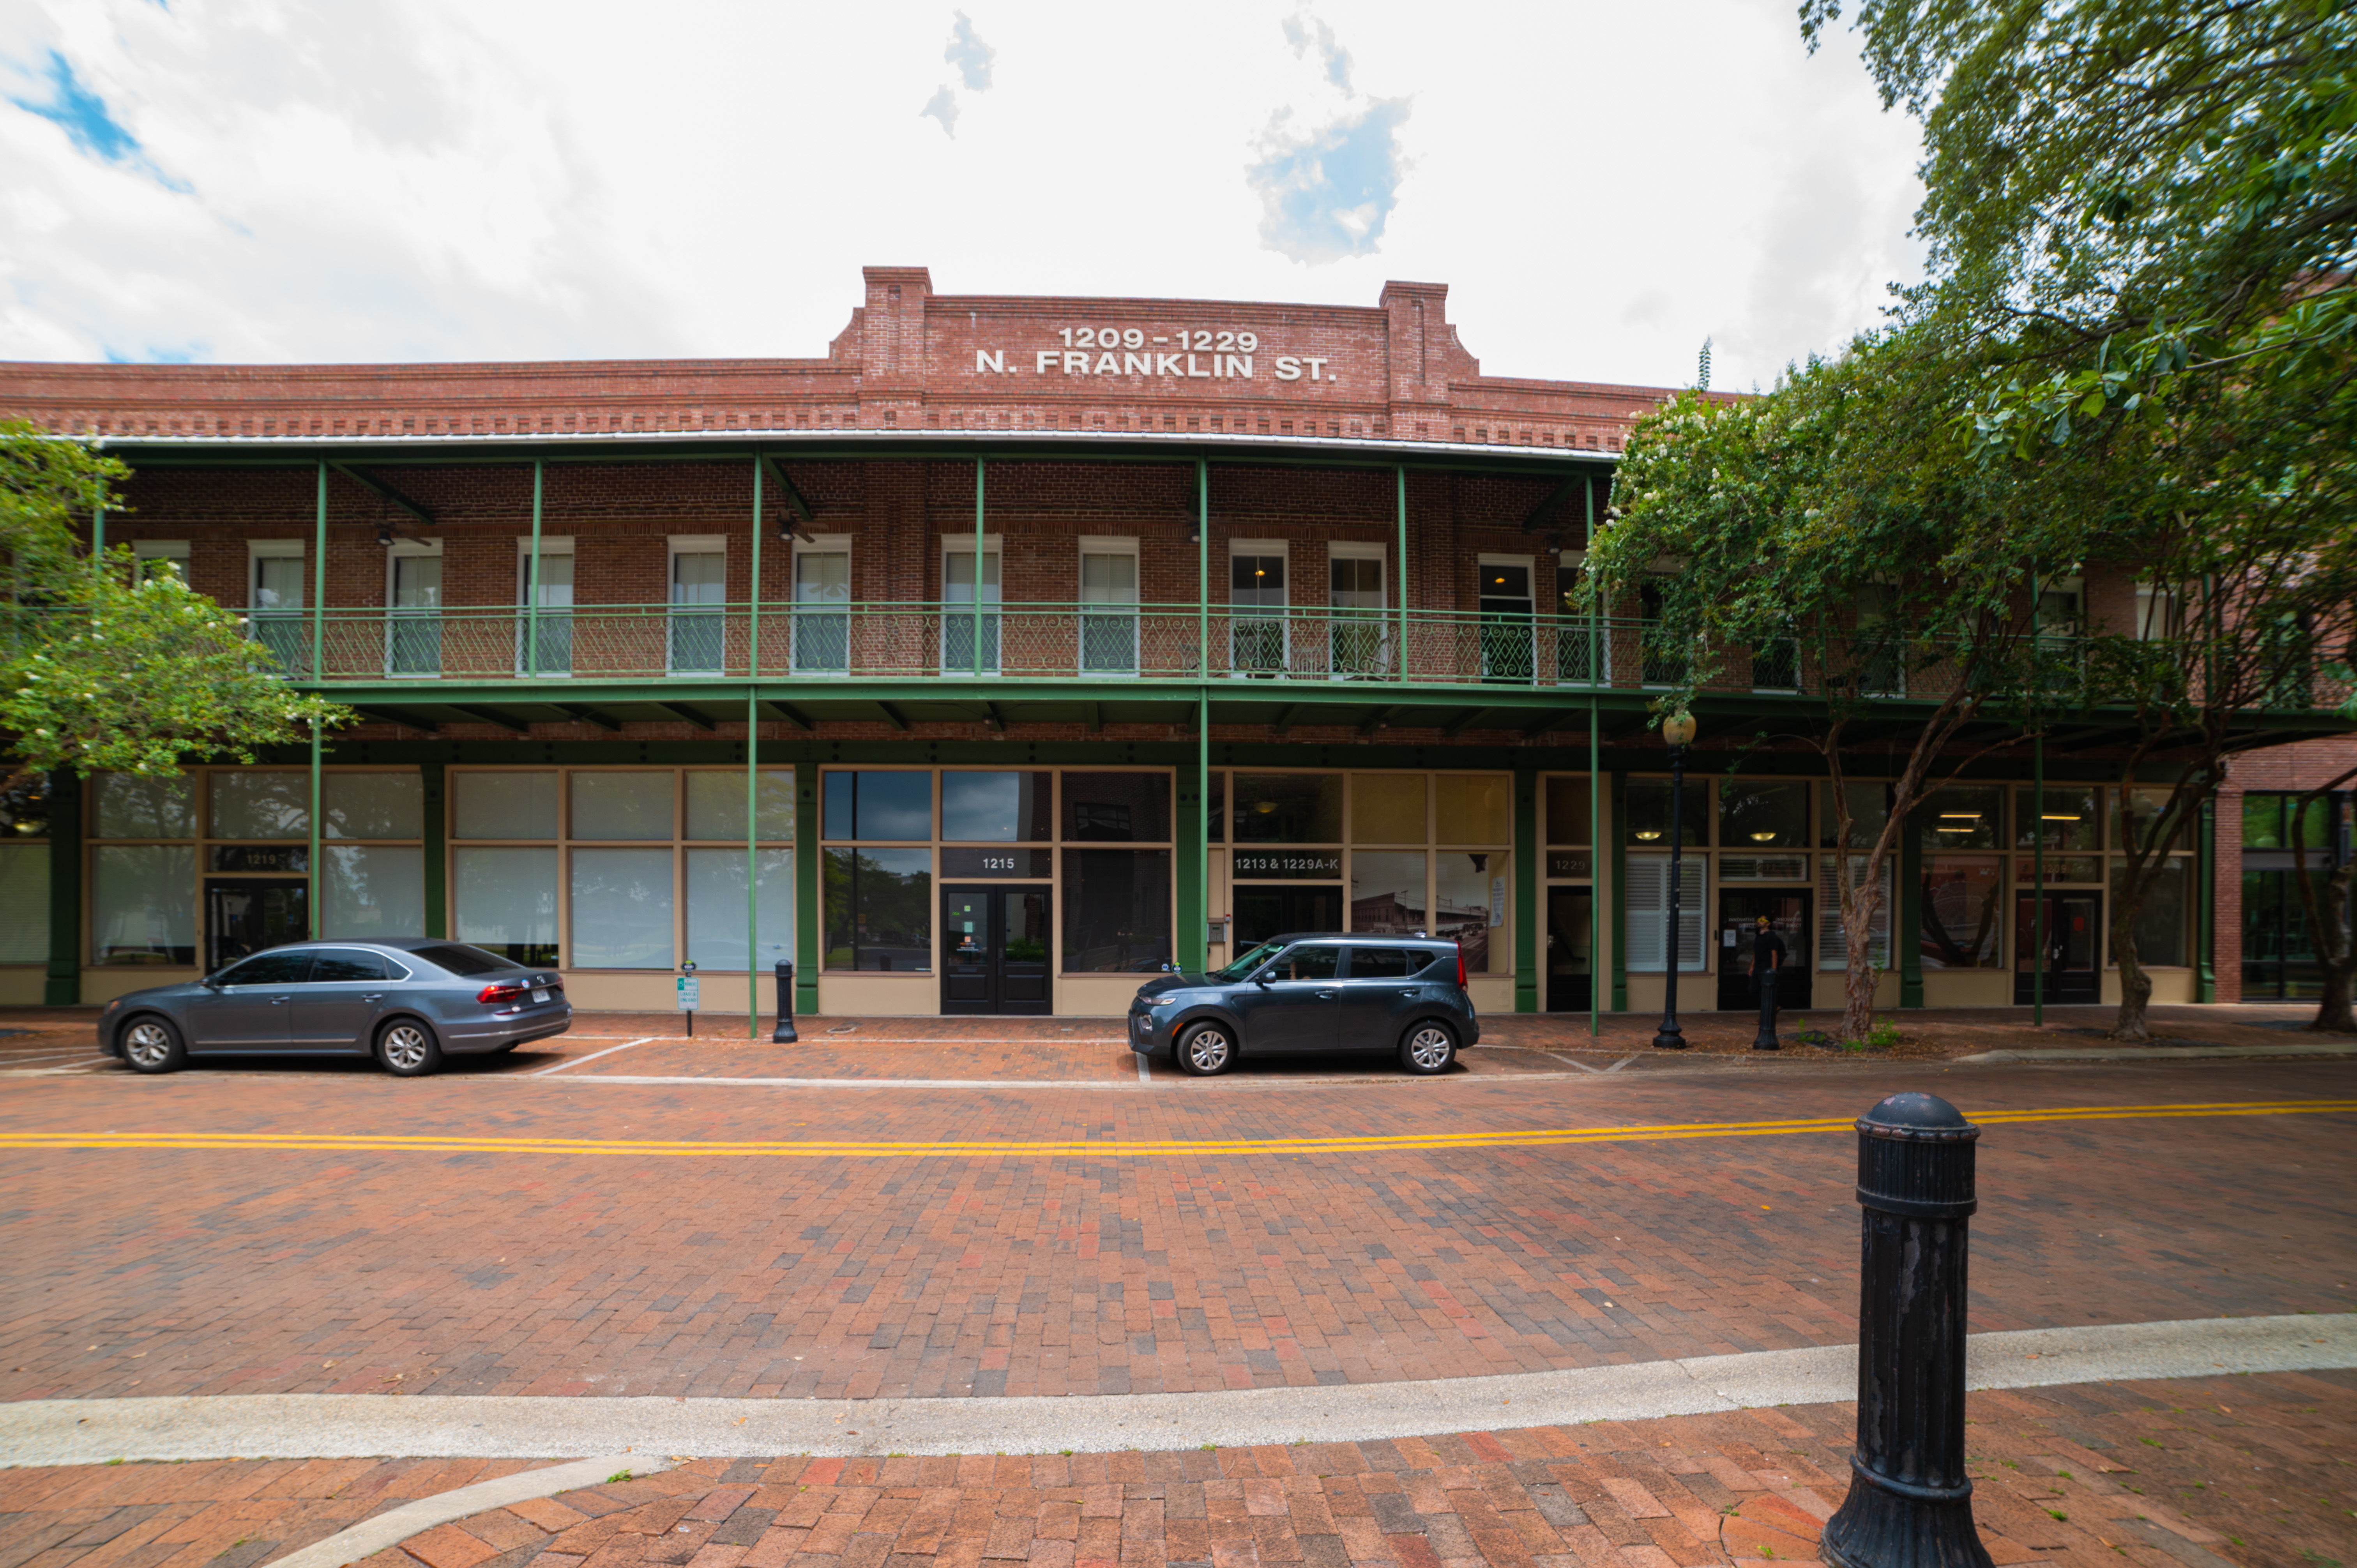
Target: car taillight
1460 966
492 996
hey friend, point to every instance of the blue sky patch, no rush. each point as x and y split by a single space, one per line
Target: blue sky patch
89 123
1326 194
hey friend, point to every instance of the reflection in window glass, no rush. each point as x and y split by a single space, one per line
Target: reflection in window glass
1116 911
879 805
2145 804
134 807
374 893
1287 807
505 806
262 803
1387 891
716 805
505 900
1869 812
623 805
24 902
1649 813
716 911
143 905
998 807
1763 814
2160 924
1960 909
1470 907
1117 808
880 909
373 805
1964 816
2069 819
1215 809
1569 819
1476 808
621 909
1388 808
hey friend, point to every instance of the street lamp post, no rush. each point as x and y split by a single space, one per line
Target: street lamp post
1679 731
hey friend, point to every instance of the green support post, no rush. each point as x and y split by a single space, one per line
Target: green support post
97 533
1202 569
62 986
319 581
531 580
432 778
316 903
1193 949
2205 937
808 864
752 776
1526 915
1910 918
1617 911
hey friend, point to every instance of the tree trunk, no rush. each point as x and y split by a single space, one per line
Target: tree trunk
1861 902
2336 953
2136 985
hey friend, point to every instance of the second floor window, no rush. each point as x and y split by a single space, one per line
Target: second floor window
699 591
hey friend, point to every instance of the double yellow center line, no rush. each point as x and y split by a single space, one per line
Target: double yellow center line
1101 1148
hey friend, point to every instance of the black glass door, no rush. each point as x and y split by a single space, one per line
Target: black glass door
245 915
1264 911
2068 956
1570 950
995 950
1740 910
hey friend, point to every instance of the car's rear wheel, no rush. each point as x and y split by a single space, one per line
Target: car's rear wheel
408 1048
1428 1048
152 1045
1207 1050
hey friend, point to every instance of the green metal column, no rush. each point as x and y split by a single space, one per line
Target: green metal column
2205 930
62 987
435 840
1617 909
1908 916
1193 948
1202 569
807 866
1526 915
316 903
752 775
531 580
98 533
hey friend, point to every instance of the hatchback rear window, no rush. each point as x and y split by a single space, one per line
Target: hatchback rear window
459 959
1384 963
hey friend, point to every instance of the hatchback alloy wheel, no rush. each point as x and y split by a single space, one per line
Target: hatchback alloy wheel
1428 1048
1207 1050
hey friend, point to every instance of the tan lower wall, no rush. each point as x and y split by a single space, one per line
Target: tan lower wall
2168 984
1096 996
1967 988
100 986
1491 994
642 991
879 996
23 984
1698 992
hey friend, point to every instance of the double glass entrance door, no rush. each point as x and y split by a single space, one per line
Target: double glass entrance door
244 915
1739 934
995 950
2068 957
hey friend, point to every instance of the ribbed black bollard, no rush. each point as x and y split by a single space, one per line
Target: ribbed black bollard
1910 1502
784 1034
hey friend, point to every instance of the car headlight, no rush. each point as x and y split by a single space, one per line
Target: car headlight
1164 1002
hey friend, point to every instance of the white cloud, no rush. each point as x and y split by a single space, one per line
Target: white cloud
969 54
942 106
1603 185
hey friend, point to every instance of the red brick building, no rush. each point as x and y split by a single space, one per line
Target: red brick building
1013 648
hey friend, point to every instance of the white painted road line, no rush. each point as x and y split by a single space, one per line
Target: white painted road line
577 1061
303 1426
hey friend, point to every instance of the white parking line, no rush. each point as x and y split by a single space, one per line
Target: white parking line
592 1057
1144 1074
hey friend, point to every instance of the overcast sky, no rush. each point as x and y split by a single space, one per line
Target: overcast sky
1601 185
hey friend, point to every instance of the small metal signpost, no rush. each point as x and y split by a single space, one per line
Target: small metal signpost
690 994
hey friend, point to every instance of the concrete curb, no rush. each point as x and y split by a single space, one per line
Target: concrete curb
395 1526
80 1432
2162 1053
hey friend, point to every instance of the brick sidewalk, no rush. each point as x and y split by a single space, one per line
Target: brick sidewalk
2245 1470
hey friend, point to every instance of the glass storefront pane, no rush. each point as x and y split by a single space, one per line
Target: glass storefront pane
880 909
1117 808
373 806
1215 808
716 805
1286 808
128 806
621 909
1763 814
1960 909
624 806
1387 891
1116 911
505 806
1962 816
2070 818
2263 822
505 899
716 911
867 804
1649 813
374 893
1475 808
2145 804
1388 808
2161 926
261 803
144 905
1869 812
1470 907
24 902
1570 819
998 807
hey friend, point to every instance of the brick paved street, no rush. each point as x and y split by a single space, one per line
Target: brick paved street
2250 1470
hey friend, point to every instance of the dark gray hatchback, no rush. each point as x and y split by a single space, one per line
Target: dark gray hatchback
407 1002
1312 992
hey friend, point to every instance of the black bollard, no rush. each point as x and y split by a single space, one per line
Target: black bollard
784 1035
1910 1502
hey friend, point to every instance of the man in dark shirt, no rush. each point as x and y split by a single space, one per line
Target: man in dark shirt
1767 955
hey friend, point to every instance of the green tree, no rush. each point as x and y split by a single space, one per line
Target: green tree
103 667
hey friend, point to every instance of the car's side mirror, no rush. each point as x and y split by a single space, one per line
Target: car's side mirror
211 982
1262 979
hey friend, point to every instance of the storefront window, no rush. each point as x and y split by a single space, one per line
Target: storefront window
1287 807
1470 907
879 907
623 908
135 808
143 908
505 899
1388 808
2144 805
1869 812
1764 814
895 806
24 902
1117 808
998 807
2069 819
1649 813
1960 911
1962 816
717 906
1387 891
374 892
373 806
1569 818
1116 910
2160 925
716 806
1476 808
261 803
504 805
623 806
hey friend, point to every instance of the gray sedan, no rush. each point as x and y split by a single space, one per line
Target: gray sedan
409 1003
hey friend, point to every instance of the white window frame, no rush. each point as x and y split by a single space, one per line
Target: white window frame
1282 550
1529 564
411 549
676 614
818 544
550 544
260 549
992 611
1106 544
1358 549
176 551
2151 627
